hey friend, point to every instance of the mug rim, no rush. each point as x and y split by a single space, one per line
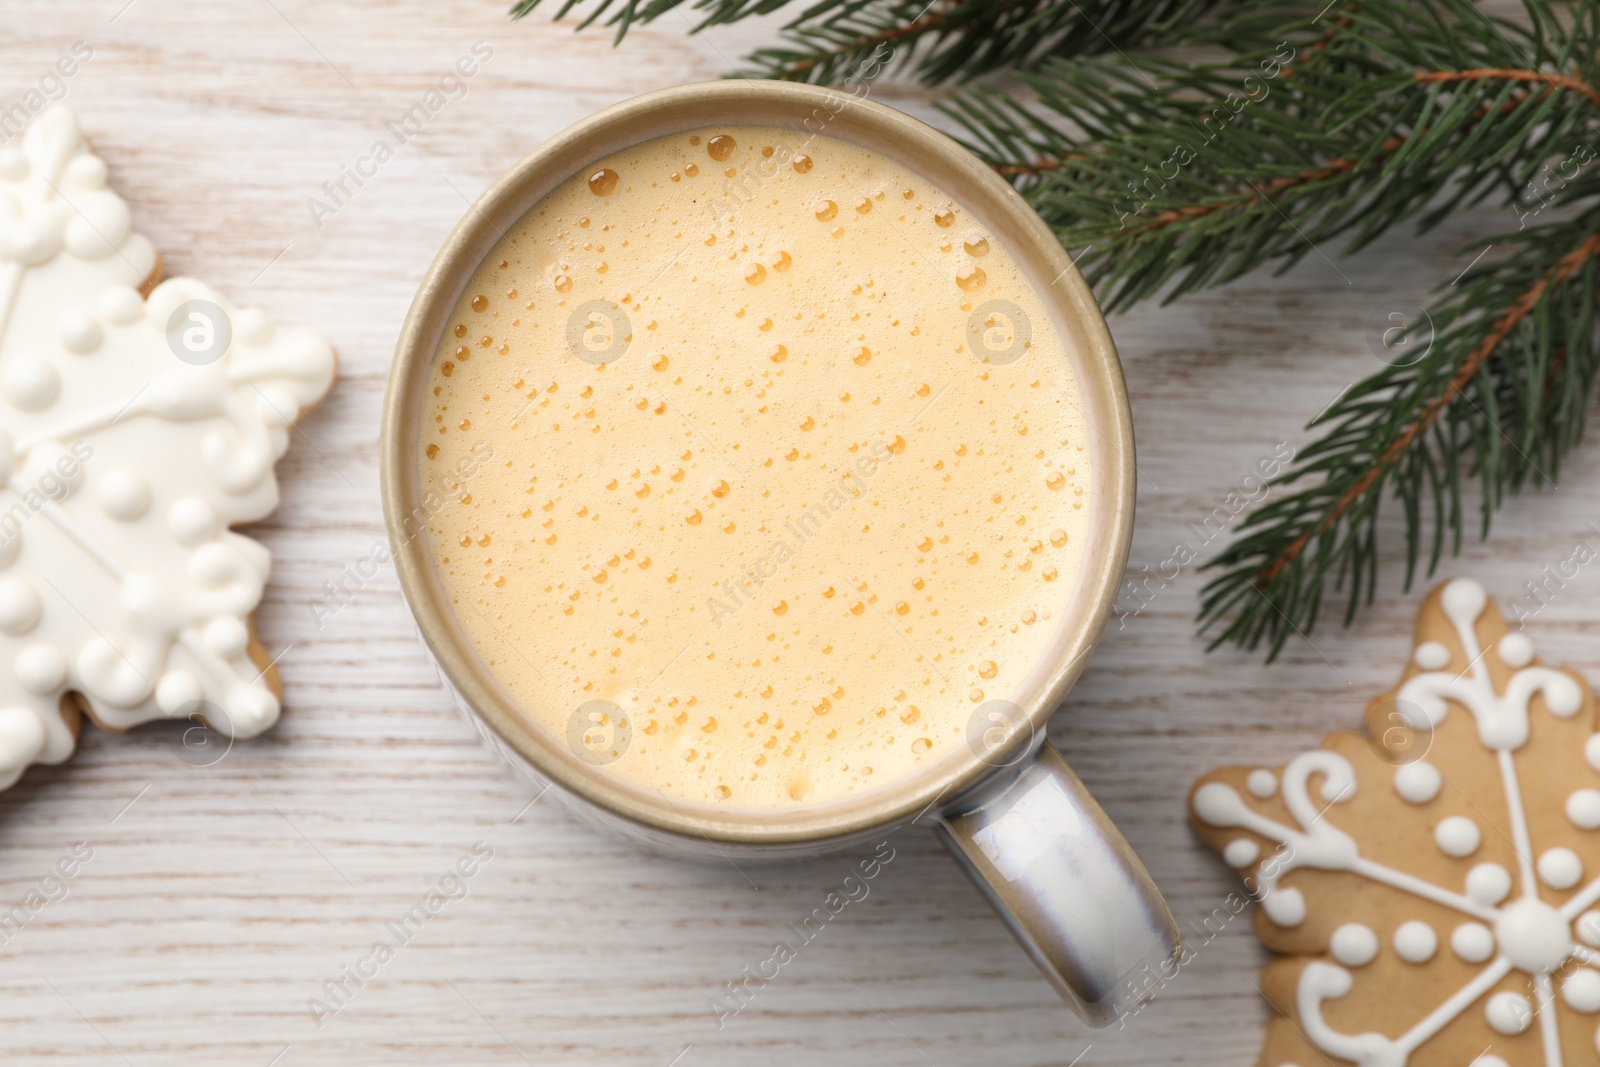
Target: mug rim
956 172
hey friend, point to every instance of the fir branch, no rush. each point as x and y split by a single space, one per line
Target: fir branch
1502 395
1221 169
935 40
1555 81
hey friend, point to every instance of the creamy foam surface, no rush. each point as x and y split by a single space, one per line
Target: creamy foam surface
755 468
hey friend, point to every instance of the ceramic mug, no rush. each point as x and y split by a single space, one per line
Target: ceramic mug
1007 806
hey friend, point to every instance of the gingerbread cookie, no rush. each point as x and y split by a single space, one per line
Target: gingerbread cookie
1432 885
134 432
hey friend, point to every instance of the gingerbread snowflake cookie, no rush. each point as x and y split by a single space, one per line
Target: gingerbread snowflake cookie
1433 885
134 432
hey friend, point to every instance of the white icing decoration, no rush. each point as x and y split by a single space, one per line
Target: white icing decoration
1516 650
1502 718
1415 942
119 305
80 334
52 468
1488 883
19 606
1501 931
1457 836
227 636
192 521
110 602
1473 942
1354 945
23 739
253 707
1432 656
1241 853
1418 782
1583 809
1317 844
1581 991
1532 935
1262 783
178 692
1560 868
28 383
40 668
123 494
1508 1013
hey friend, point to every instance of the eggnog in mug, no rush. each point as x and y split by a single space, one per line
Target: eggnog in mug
761 467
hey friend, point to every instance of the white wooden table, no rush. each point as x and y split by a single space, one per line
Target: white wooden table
220 899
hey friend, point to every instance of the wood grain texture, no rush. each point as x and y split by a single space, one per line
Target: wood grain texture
220 899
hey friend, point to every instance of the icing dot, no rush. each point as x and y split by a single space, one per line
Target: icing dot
1560 868
192 521
1262 783
40 668
1464 600
29 384
1581 991
1488 883
123 494
1457 836
119 306
1241 852
19 606
1415 942
1354 945
214 565
1588 927
1508 1013
86 172
22 737
101 225
1562 696
79 333
177 692
1516 650
1432 656
252 709
1591 751
13 164
1532 935
1583 808
53 470
252 326
1418 782
227 636
1218 805
1286 907
1473 942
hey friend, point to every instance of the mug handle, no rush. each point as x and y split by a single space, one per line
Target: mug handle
1068 885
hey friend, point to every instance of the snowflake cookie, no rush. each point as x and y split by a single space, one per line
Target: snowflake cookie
1433 884
134 432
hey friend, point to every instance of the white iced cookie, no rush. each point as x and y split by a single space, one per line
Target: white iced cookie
133 434
1435 899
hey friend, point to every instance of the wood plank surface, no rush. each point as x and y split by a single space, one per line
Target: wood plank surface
219 900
